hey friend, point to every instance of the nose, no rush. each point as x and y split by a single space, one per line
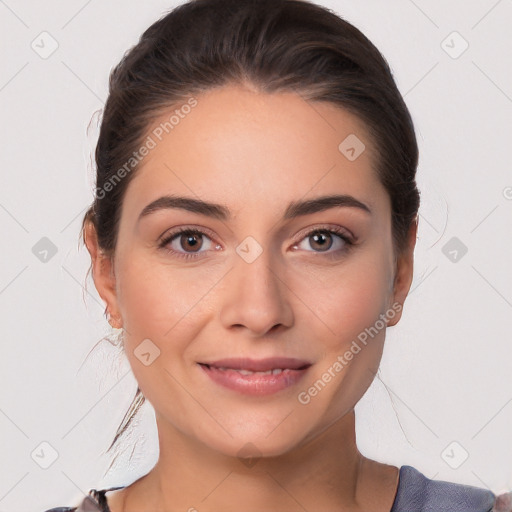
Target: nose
255 297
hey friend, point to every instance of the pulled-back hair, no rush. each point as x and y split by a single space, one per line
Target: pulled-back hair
275 46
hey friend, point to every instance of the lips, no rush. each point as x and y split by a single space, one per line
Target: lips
256 377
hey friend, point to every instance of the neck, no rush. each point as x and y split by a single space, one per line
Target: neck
324 473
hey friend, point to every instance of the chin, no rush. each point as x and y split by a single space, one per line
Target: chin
248 450
253 443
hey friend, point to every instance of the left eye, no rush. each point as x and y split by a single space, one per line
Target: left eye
323 240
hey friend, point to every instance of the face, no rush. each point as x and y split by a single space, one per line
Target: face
271 271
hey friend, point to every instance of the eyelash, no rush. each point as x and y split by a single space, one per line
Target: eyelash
349 243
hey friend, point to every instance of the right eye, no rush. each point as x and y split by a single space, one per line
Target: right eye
181 240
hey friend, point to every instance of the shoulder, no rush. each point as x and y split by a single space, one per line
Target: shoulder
417 492
95 501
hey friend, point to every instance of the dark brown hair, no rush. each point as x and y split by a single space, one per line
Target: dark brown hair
274 45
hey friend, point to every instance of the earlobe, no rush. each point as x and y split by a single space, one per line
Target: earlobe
404 271
103 275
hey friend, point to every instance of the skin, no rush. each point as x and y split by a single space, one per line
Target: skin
255 153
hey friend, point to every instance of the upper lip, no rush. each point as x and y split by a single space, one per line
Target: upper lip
259 365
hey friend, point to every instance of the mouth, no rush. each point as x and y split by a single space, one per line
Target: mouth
269 365
256 377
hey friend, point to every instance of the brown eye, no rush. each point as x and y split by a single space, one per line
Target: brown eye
330 241
192 241
321 240
187 243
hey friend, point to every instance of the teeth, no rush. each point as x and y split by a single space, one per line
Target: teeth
248 372
275 371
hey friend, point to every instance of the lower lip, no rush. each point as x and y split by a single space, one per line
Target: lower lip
255 384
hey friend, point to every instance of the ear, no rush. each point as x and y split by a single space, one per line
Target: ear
404 266
103 275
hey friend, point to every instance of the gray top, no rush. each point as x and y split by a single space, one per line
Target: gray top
418 493
415 493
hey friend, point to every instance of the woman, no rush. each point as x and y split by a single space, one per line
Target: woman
253 234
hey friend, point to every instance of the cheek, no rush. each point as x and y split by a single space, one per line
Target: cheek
157 299
350 309
345 300
159 304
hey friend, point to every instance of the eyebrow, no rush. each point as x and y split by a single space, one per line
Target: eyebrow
221 212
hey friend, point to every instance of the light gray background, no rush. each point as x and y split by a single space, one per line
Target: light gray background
447 366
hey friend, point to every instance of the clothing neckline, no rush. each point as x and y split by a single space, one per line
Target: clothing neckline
398 488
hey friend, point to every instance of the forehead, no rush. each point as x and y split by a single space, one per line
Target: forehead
236 144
